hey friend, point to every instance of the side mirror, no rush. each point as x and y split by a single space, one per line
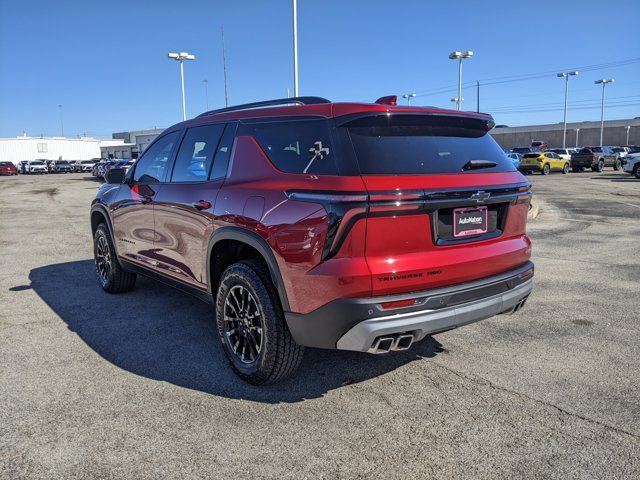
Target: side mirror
115 175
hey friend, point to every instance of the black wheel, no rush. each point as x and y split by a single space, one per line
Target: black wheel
111 276
576 169
565 169
618 165
636 171
251 325
546 169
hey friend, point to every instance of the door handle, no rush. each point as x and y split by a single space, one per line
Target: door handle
201 205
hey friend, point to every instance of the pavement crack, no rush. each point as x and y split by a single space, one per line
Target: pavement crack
481 381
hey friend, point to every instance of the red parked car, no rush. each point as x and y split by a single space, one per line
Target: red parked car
347 226
8 168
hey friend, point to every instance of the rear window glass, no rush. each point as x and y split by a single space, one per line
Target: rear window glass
521 150
585 150
296 147
531 155
597 149
5 164
421 144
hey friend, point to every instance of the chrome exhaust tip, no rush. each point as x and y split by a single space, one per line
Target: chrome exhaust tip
382 345
403 342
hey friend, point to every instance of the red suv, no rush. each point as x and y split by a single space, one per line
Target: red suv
348 226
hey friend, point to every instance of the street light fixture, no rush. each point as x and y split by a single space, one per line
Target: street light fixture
409 96
566 76
460 56
181 57
604 82
455 99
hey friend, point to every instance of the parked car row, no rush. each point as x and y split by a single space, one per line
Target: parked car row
546 160
105 164
54 166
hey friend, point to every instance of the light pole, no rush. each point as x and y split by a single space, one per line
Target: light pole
628 128
455 99
408 96
604 82
460 56
295 47
62 123
577 133
566 76
206 92
181 57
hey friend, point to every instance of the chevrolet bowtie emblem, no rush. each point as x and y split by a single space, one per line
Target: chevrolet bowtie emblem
481 196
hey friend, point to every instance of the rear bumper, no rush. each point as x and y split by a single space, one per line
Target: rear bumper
355 324
530 168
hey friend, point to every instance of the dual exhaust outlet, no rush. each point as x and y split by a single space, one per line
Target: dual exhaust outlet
391 343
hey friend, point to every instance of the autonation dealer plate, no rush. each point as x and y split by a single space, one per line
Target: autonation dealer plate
469 221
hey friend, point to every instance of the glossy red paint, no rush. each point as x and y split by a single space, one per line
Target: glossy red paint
382 246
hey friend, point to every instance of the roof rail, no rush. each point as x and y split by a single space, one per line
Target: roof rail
269 103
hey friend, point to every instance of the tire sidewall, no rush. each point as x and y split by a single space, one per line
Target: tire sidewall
545 169
242 274
102 232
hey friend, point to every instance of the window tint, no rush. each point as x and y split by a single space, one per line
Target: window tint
221 161
297 147
152 166
196 152
417 144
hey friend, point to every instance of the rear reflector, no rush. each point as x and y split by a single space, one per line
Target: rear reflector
398 303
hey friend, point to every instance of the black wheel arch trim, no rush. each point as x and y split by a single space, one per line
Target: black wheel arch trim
257 242
102 210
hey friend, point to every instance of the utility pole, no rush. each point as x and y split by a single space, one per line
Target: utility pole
295 47
224 68
478 96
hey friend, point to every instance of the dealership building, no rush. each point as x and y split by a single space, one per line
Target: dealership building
578 134
133 143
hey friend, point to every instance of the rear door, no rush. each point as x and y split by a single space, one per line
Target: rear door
183 208
132 212
445 204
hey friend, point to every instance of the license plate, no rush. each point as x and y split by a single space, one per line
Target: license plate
469 221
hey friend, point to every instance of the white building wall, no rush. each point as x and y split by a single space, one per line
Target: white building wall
29 148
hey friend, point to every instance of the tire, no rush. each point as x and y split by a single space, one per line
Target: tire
576 169
636 171
618 165
111 276
546 169
600 166
565 169
260 349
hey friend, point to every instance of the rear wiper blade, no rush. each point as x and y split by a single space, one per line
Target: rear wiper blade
477 164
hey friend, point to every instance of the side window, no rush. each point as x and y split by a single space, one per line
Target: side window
223 153
297 147
196 152
152 166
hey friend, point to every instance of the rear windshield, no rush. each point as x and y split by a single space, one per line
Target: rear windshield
5 164
585 150
423 144
597 149
531 155
521 150
36 163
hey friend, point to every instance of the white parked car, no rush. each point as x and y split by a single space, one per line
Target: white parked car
564 153
632 164
36 166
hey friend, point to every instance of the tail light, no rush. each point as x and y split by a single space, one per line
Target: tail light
593 158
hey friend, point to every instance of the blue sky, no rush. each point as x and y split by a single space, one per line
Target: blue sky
105 62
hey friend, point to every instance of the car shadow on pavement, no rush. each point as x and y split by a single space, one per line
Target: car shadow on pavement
166 335
615 178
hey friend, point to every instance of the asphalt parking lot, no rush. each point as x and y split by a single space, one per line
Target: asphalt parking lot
100 386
